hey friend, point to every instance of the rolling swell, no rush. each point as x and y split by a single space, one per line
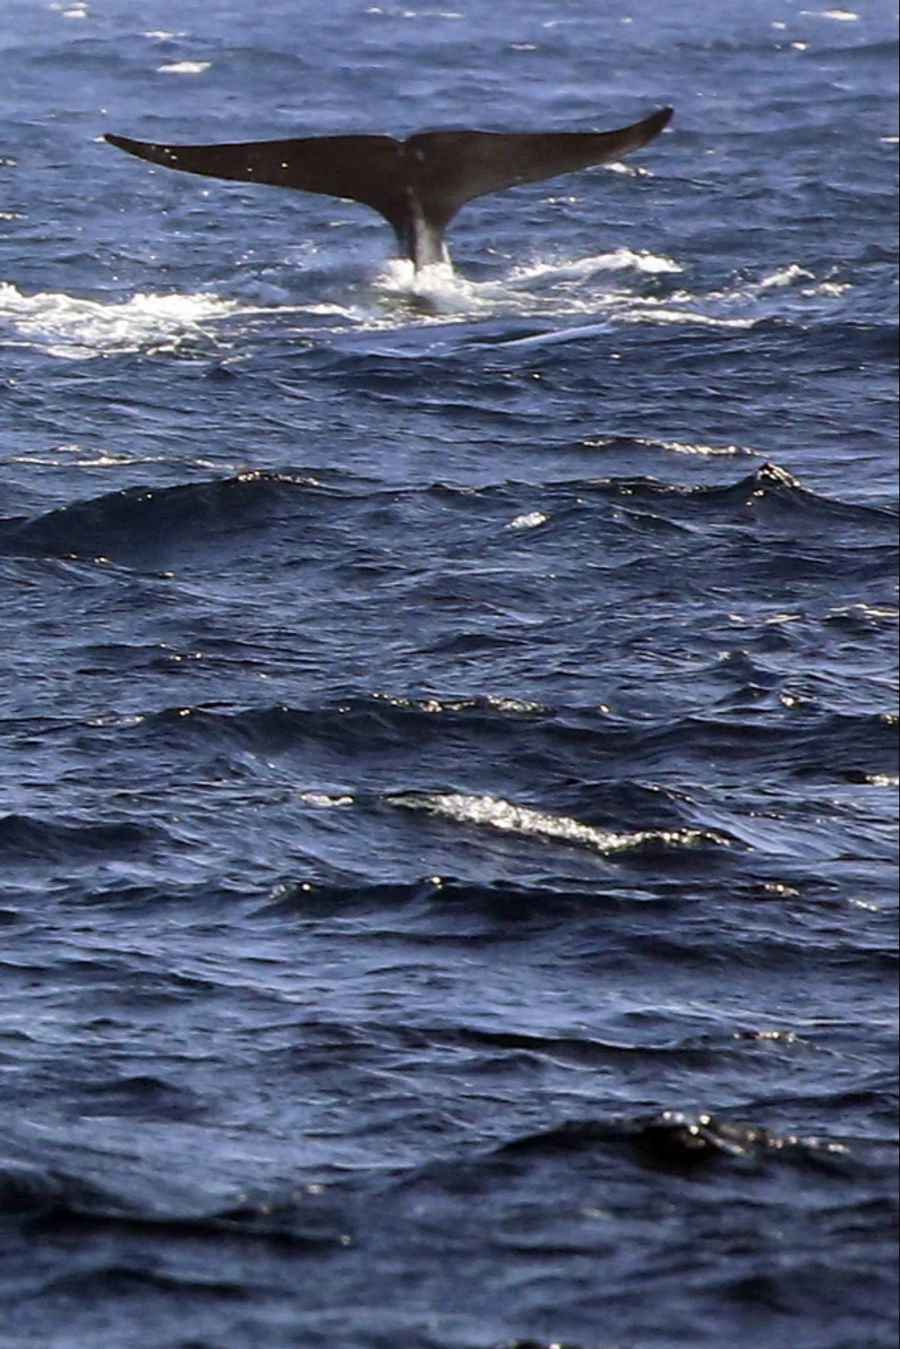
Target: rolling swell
191 515
753 728
24 839
144 520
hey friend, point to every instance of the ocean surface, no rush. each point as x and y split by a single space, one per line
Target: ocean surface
448 736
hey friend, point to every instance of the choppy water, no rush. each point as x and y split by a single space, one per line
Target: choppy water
449 744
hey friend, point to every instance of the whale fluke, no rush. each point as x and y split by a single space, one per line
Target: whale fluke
418 184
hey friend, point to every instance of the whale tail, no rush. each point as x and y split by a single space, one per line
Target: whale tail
418 184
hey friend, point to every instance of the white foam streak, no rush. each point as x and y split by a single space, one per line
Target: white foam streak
836 15
688 447
504 816
618 260
67 326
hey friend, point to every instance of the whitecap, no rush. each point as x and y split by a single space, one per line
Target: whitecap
533 520
184 68
325 801
629 170
829 290
785 276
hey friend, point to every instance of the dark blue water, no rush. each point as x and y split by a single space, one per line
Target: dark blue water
448 754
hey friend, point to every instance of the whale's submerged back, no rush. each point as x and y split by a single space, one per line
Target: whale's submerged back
418 185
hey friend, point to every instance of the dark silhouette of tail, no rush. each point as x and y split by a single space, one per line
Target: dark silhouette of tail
419 184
